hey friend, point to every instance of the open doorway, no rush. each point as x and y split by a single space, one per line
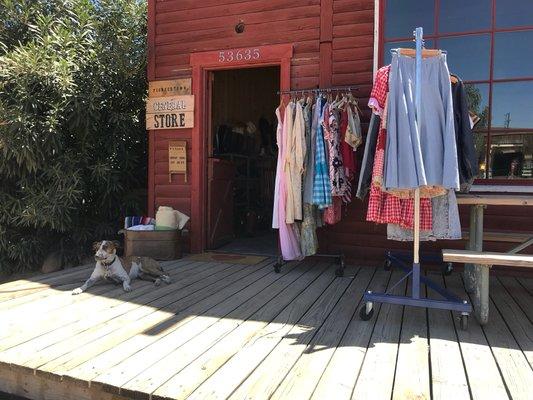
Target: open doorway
242 160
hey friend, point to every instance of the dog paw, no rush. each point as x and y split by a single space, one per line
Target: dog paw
77 291
127 288
157 282
166 279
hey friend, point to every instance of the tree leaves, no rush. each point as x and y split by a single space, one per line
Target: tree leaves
72 145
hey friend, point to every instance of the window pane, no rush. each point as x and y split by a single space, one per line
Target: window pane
514 13
478 103
512 105
480 141
513 54
429 44
403 16
511 155
468 56
460 15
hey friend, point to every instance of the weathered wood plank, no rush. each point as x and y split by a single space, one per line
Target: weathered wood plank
47 300
448 374
157 363
243 363
339 378
179 308
519 293
377 372
192 372
487 258
141 320
411 379
520 326
484 378
262 383
76 320
303 377
64 308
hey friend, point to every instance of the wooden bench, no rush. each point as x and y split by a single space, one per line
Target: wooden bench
482 262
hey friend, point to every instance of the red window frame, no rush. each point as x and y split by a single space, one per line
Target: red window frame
435 37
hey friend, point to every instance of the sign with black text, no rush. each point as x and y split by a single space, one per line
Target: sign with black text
171 120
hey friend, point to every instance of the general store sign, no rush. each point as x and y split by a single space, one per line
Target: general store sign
173 87
155 105
170 105
172 120
177 158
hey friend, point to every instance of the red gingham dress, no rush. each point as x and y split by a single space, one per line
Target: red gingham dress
385 208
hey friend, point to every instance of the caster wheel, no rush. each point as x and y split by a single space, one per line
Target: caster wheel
364 314
464 322
339 272
447 269
277 268
387 265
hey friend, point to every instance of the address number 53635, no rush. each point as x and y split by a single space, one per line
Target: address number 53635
238 55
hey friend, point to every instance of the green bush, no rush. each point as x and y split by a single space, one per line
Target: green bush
72 137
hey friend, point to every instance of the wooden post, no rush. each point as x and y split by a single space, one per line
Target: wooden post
481 294
468 273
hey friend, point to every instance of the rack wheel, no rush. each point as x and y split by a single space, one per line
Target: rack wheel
339 272
464 322
366 312
277 268
447 269
387 264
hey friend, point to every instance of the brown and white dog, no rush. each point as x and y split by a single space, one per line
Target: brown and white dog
122 270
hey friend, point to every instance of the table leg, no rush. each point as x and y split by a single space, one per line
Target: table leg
481 296
481 272
468 274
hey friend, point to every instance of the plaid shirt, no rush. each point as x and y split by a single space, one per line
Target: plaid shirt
383 207
321 181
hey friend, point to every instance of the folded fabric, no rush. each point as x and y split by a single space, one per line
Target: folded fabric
141 228
133 220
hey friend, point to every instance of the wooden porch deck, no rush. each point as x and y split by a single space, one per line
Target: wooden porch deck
244 332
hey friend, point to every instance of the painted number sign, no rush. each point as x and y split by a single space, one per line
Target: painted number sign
227 56
177 158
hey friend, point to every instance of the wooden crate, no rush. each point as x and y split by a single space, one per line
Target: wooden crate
160 245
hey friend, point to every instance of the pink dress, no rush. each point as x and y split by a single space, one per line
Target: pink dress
288 233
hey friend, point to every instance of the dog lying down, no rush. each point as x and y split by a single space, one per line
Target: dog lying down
110 267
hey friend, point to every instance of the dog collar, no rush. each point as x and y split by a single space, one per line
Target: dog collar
107 264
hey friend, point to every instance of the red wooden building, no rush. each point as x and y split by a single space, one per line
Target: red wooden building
240 52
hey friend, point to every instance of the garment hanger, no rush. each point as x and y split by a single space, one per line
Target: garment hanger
426 53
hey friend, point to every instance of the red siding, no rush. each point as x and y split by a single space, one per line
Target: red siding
333 44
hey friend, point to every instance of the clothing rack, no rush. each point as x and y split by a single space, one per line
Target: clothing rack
335 89
340 256
451 301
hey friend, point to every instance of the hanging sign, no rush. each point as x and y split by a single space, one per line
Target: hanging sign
174 87
172 120
177 158
155 105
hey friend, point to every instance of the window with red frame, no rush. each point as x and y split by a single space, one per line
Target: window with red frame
490 47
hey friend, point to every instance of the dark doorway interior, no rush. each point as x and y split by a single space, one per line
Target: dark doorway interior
242 160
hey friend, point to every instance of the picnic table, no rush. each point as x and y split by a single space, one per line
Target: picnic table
477 262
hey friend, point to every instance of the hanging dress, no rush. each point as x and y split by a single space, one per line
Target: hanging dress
321 182
288 235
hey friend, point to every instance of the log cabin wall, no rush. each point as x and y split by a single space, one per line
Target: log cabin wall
333 45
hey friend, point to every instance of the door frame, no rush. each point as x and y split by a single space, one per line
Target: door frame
202 63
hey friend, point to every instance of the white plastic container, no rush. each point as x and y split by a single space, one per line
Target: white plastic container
167 218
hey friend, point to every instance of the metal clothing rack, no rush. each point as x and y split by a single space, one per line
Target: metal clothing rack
339 257
334 89
451 301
